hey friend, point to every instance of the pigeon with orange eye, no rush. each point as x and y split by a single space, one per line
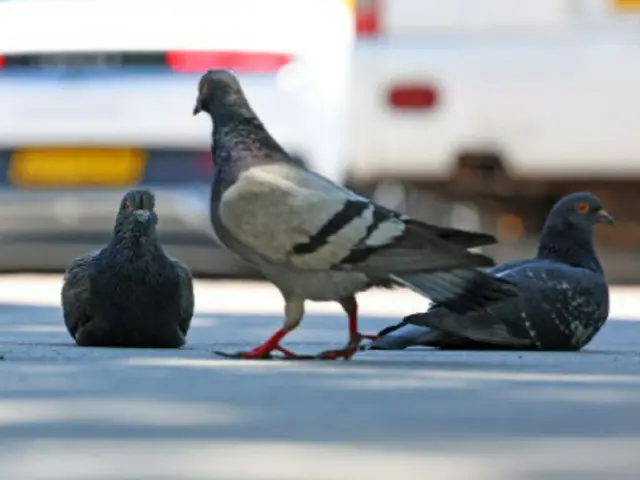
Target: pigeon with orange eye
563 299
129 293
594 211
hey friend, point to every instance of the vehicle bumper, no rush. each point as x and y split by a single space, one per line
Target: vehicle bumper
45 230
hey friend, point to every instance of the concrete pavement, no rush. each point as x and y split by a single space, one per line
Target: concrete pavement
72 413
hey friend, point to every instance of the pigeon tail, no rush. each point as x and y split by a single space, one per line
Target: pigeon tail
421 249
404 335
462 238
459 291
400 336
479 326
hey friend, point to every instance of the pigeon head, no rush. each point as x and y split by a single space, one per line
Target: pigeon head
136 215
567 235
579 211
219 93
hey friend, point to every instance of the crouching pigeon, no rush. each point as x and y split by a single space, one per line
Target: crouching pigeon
129 293
312 238
563 300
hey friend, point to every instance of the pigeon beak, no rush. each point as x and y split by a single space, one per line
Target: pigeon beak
604 217
198 108
142 216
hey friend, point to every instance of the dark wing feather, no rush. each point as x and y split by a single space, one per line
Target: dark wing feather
462 238
404 335
76 293
459 291
559 308
564 307
417 249
187 301
480 326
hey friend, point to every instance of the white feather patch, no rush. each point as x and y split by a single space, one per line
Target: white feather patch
338 245
385 233
272 208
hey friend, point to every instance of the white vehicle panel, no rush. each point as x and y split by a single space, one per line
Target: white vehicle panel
96 25
303 104
551 87
405 18
152 113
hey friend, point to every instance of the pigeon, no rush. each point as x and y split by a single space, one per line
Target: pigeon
563 300
314 239
129 293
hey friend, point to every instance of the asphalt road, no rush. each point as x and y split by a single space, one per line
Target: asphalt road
72 413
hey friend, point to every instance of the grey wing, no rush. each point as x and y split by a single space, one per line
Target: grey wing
294 218
508 266
76 293
462 291
187 301
459 291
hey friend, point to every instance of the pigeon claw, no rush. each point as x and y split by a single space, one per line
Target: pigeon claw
261 353
245 355
345 353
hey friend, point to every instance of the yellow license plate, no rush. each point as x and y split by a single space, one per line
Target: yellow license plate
627 5
72 167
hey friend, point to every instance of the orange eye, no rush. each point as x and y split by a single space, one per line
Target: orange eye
126 206
582 207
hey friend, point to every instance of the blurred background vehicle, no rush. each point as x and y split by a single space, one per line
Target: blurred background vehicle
96 96
472 113
490 110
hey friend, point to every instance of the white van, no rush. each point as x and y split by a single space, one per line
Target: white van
507 104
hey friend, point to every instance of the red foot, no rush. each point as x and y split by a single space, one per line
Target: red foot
345 353
264 351
354 334
287 353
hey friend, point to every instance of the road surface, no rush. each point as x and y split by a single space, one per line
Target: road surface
72 413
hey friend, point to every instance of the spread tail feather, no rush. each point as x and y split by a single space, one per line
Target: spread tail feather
462 238
420 248
459 291
418 261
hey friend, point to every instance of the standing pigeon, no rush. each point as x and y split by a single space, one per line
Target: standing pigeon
129 293
563 301
313 239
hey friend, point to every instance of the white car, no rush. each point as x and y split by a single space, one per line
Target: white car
96 96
